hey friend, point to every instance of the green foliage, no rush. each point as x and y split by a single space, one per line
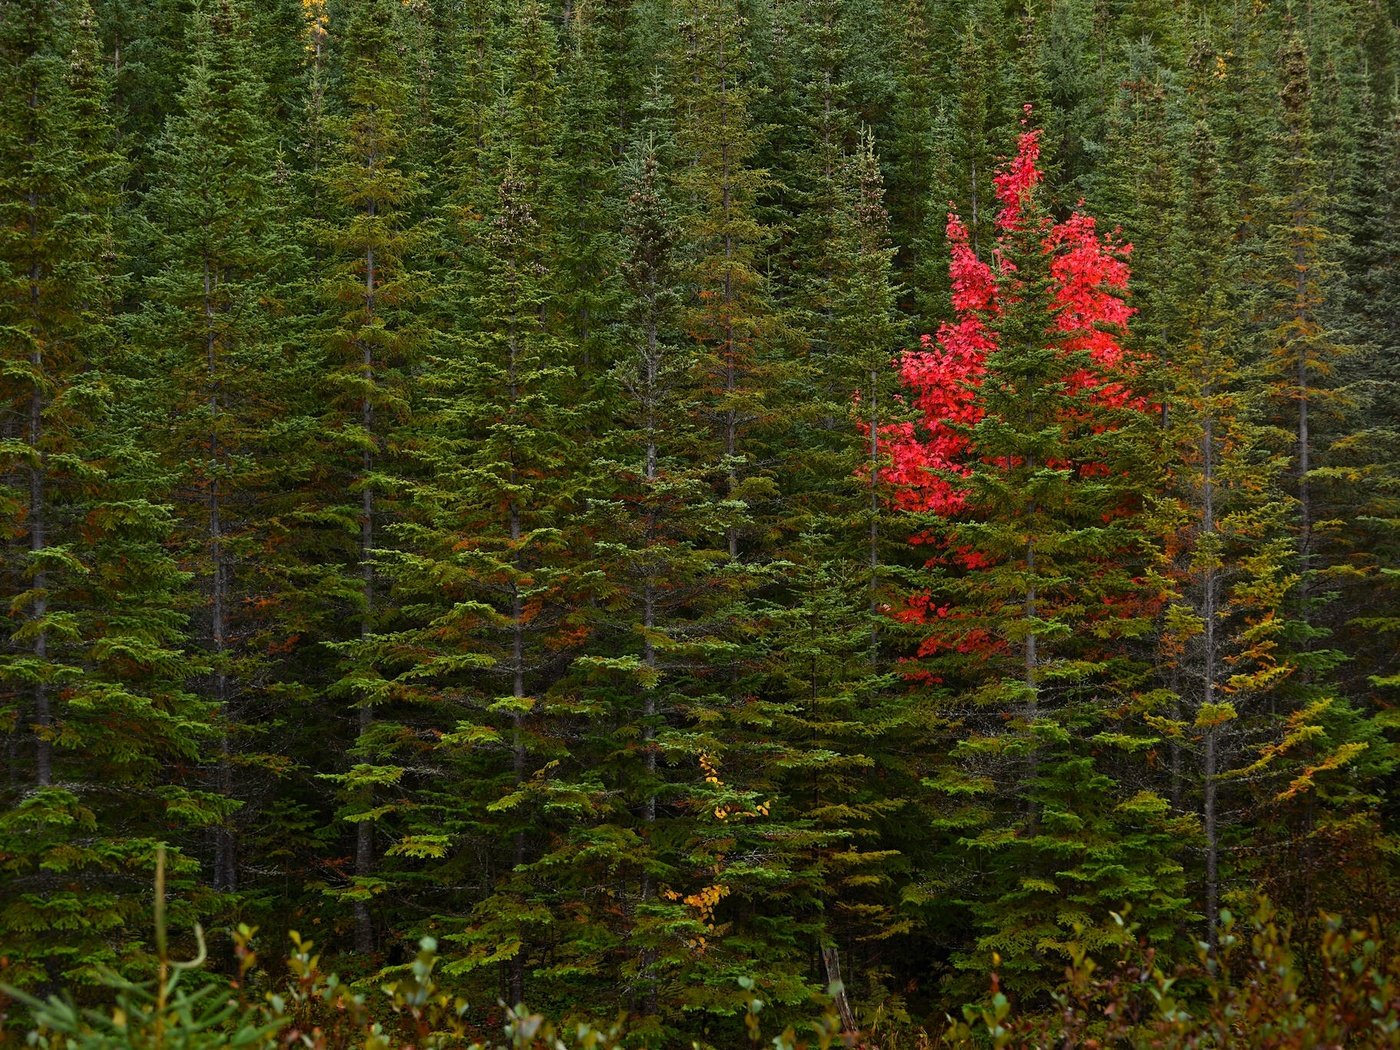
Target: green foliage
1253 989
451 486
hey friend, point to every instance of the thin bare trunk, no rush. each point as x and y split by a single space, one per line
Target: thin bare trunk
1031 657
1209 670
1212 840
38 539
973 185
364 830
1305 516
1302 269
874 424
225 845
731 422
517 650
651 381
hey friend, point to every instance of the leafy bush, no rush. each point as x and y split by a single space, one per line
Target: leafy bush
1256 992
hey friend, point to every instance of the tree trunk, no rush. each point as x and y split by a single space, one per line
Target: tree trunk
874 521
648 959
517 651
1210 659
225 841
364 829
831 963
38 539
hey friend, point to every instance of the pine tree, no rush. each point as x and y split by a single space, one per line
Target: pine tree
215 331
1028 459
370 341
91 704
658 527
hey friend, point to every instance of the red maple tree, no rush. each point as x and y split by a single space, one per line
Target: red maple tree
930 457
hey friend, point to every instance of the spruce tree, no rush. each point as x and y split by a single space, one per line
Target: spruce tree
730 314
491 606
215 331
141 46
1361 467
95 719
488 603
370 340
659 530
588 149
828 618
1226 563
1028 460
746 845
1303 349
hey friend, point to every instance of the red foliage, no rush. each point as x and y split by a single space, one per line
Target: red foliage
942 378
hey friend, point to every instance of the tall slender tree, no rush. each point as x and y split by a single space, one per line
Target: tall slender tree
370 339
1028 459
215 327
94 719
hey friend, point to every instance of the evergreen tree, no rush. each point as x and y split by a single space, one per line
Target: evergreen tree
492 606
587 155
746 844
827 620
215 332
488 530
1028 460
91 703
658 527
370 339
141 45
1302 347
1226 567
730 314
1359 474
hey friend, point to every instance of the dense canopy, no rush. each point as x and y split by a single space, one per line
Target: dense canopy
688 500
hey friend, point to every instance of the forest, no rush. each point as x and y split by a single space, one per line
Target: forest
750 522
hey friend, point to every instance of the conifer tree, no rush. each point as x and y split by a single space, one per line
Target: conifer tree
141 46
91 704
485 574
588 149
215 331
1303 349
1360 473
1028 459
910 140
659 527
468 95
487 530
827 620
1226 563
730 315
370 340
733 319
